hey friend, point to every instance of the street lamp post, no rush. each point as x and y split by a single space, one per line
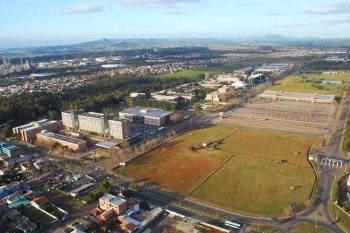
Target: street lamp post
315 221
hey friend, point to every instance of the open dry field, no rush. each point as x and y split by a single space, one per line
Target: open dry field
289 116
250 172
313 83
174 166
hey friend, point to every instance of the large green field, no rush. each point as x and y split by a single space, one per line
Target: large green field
194 73
251 172
312 83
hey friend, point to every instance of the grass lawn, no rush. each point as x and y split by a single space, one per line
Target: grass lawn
64 201
250 182
311 83
308 228
36 215
93 194
251 185
193 73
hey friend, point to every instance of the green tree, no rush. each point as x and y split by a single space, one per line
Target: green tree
7 130
197 108
54 115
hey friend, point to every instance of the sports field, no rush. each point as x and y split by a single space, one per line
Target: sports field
174 167
252 172
194 73
313 83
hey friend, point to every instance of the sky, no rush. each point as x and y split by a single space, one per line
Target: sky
55 22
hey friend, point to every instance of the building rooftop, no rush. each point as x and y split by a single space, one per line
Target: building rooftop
8 146
92 114
62 138
155 113
107 144
36 124
113 199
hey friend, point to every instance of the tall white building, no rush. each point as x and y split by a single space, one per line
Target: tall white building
93 122
70 119
119 128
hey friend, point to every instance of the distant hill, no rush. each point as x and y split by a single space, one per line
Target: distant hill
135 43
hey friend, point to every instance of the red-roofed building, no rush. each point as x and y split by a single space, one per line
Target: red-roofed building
40 202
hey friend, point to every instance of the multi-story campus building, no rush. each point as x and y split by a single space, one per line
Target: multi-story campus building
119 128
29 131
98 123
70 119
50 138
146 116
93 122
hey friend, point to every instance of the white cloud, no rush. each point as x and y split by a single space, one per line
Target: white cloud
154 2
321 23
82 9
176 12
329 9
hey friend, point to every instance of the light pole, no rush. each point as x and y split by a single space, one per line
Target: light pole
315 221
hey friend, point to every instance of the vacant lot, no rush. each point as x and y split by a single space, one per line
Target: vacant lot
64 201
266 173
312 83
36 215
194 73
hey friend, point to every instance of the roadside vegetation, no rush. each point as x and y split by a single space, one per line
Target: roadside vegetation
308 228
339 199
346 137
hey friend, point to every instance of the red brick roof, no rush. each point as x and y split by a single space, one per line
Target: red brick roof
41 200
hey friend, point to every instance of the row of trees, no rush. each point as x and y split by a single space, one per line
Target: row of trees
346 142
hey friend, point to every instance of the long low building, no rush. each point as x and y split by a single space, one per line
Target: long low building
50 138
146 116
8 150
295 96
29 131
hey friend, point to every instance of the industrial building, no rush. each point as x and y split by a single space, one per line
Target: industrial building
29 131
295 96
146 116
50 138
